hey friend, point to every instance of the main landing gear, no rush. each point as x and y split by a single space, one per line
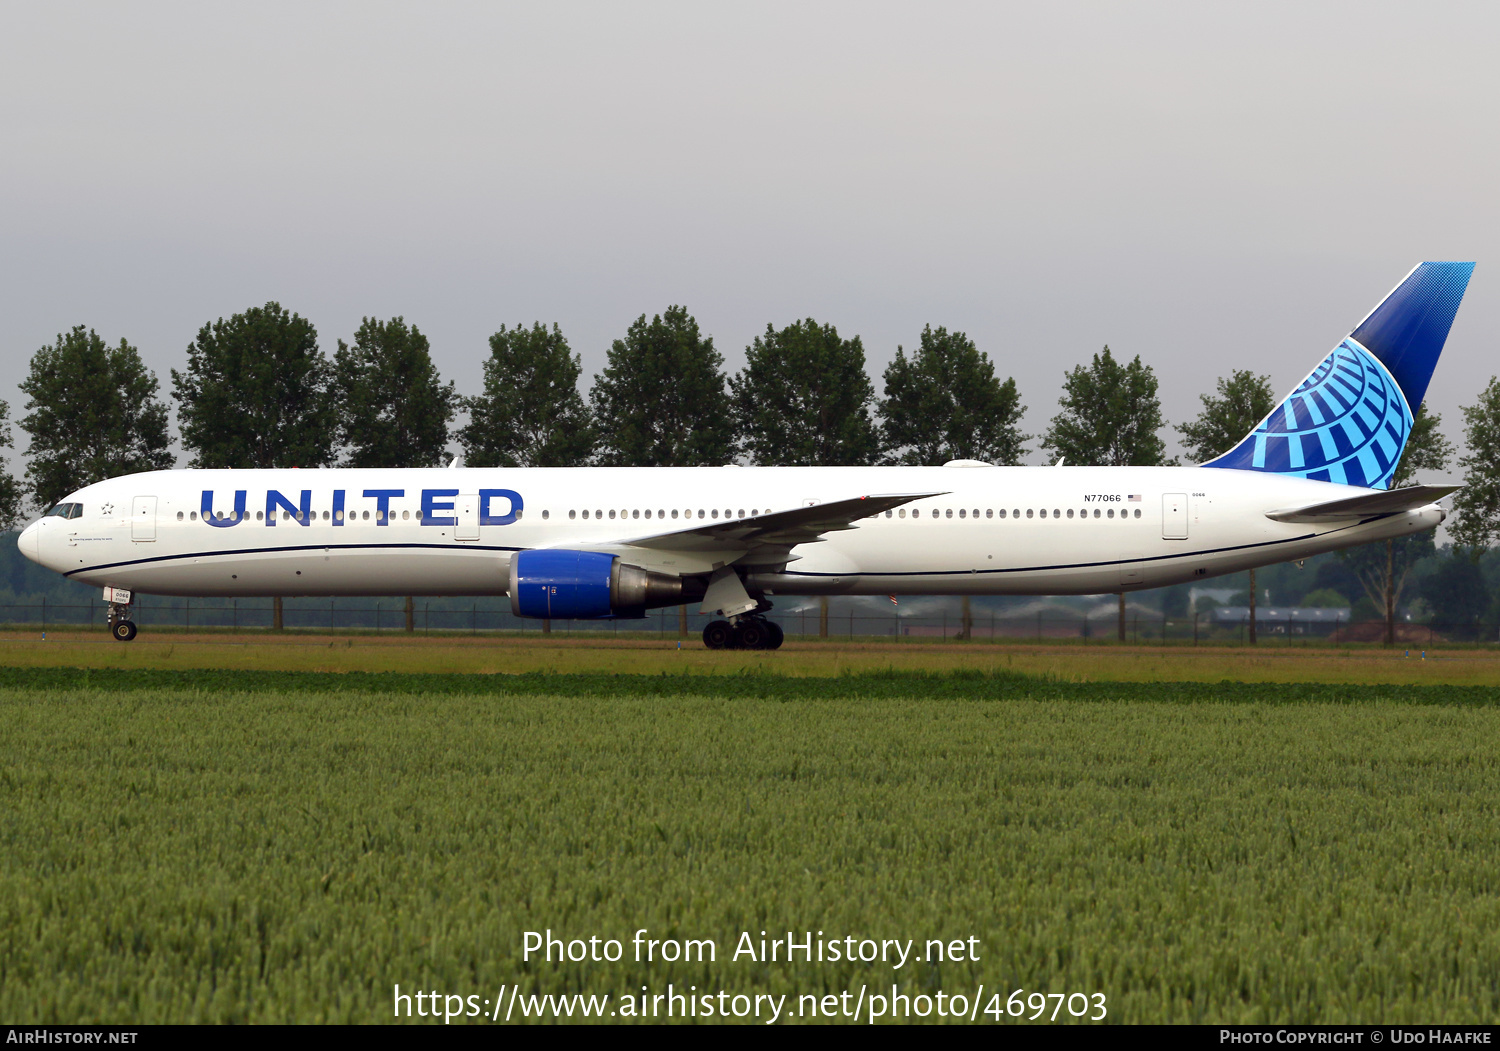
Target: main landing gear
746 633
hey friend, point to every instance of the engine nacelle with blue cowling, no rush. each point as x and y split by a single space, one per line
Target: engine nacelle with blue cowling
589 585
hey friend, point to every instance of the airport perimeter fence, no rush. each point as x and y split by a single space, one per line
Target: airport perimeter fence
446 617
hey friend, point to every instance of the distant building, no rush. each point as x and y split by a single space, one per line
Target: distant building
1284 620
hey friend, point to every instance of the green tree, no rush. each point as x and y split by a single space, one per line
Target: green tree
10 489
530 413
1243 400
1382 567
945 403
256 393
1456 593
1476 507
393 409
1427 449
1110 416
92 413
803 398
661 401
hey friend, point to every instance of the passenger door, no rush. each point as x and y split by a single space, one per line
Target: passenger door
468 517
143 518
1174 516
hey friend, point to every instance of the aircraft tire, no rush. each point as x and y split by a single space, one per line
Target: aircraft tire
777 636
124 630
755 634
720 635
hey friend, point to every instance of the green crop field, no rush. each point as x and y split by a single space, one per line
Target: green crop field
180 845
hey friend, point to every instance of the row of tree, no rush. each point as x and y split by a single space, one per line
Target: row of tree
257 391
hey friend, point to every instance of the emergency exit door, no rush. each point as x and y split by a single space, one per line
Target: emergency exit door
143 518
1174 516
467 527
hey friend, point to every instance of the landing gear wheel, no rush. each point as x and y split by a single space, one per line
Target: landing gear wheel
755 634
719 635
777 635
123 630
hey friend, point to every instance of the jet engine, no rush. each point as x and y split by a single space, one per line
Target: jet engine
586 585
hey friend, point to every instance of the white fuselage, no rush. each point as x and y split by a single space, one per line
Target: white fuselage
996 530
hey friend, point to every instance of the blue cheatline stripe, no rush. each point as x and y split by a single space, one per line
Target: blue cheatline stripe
456 546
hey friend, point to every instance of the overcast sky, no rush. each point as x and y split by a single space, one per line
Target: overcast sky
1208 187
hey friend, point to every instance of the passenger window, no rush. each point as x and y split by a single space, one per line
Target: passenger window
1002 512
572 515
716 513
1111 513
702 513
989 512
1028 512
1070 512
1056 513
1138 512
611 512
659 513
546 515
179 516
192 516
419 514
950 512
1096 512
635 514
674 512
903 512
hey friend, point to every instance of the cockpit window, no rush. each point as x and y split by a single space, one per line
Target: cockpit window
65 511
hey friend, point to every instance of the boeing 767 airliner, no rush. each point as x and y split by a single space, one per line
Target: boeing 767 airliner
598 542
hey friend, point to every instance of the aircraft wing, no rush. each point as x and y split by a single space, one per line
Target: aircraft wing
756 540
1366 505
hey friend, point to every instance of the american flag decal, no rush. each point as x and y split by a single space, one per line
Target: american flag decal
1134 498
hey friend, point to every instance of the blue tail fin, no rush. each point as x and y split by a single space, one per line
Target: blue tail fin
1349 419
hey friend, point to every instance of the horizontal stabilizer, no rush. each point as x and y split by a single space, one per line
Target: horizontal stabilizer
1379 502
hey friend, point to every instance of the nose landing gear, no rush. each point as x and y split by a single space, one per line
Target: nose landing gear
120 624
746 633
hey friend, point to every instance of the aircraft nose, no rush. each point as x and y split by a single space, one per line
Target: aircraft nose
29 541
